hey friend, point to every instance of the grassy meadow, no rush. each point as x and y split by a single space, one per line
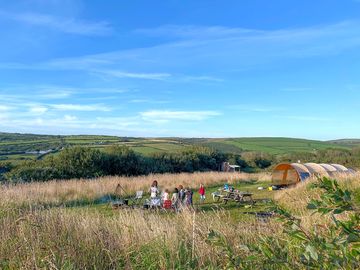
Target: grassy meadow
71 224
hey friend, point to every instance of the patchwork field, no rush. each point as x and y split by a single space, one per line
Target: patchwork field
17 147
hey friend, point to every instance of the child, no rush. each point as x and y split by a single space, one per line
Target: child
166 195
167 204
202 193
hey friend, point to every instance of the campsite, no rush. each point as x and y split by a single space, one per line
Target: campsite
179 135
73 224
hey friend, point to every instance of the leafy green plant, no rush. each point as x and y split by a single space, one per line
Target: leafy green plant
334 246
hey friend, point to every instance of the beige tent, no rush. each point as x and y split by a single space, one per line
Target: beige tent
316 169
292 173
340 167
329 168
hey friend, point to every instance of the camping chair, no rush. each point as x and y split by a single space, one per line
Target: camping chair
138 197
216 196
167 204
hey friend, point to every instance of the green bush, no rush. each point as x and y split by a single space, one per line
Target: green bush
84 162
335 247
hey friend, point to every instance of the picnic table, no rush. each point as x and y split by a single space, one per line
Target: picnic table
234 195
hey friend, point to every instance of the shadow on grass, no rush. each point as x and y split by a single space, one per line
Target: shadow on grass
258 206
106 199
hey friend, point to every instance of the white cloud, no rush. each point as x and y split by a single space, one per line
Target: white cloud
5 108
201 78
254 108
195 32
146 76
149 101
66 25
68 117
214 50
80 107
309 118
55 94
38 110
297 89
163 116
229 48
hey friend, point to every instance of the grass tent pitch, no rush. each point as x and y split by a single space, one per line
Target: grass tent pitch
292 173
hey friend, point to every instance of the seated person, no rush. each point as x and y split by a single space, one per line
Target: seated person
167 204
166 195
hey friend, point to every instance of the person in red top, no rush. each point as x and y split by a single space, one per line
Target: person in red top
202 193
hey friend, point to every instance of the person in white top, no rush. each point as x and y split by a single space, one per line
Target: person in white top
154 190
155 201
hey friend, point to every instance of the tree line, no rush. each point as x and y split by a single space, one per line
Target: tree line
86 162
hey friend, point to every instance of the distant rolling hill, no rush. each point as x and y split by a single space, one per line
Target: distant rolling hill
347 142
15 147
273 145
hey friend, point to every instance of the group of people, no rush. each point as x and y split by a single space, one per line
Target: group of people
179 198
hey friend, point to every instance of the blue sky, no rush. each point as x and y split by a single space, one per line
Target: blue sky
181 68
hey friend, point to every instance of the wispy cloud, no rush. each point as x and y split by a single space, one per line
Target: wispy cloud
149 101
163 116
195 32
80 107
201 78
308 118
218 50
296 89
69 117
123 74
38 110
254 108
65 25
4 108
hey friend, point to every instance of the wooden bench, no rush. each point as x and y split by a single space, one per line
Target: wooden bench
240 197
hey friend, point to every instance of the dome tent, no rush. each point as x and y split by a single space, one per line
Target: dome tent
340 167
292 173
316 169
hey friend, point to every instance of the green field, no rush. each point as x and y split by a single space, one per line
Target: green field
281 145
16 147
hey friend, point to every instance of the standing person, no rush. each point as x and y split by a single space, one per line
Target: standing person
154 193
202 193
189 197
175 199
154 190
181 194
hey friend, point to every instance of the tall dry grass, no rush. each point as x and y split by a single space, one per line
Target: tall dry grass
296 199
55 192
84 239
